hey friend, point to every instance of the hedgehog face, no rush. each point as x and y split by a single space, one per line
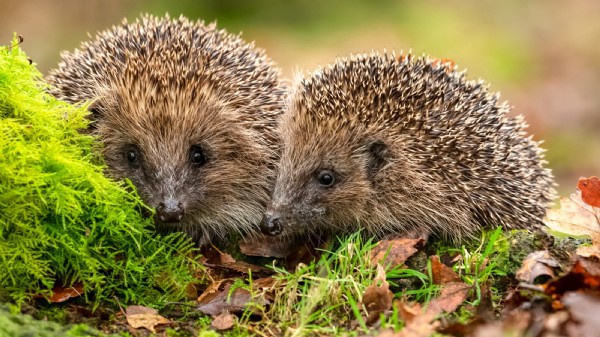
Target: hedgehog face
181 154
187 112
324 180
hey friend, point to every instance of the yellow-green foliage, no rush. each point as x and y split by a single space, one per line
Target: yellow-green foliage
61 219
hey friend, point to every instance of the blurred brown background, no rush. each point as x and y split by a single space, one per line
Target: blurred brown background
543 56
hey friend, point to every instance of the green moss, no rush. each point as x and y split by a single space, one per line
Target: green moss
16 325
61 220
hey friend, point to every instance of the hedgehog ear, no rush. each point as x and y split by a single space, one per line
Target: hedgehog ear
378 154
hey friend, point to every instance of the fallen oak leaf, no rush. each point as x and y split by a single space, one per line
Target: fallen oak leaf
577 218
224 321
440 273
226 258
536 264
452 295
394 252
590 190
246 268
143 317
236 302
263 283
584 275
378 296
422 325
589 251
61 294
408 311
210 291
421 322
418 322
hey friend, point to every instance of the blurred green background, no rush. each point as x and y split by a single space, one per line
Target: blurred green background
542 55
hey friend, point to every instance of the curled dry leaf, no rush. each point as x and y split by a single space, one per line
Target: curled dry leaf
590 190
223 321
226 258
377 297
421 325
584 275
234 302
452 295
394 252
210 292
536 264
575 217
143 317
408 311
61 294
420 322
442 274
245 268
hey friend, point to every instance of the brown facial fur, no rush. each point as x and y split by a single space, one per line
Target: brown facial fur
413 146
167 87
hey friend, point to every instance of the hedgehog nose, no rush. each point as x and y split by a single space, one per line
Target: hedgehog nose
170 211
271 224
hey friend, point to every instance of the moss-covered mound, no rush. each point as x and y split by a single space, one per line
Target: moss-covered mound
61 220
14 324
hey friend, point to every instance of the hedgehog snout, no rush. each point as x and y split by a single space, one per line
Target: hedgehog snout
272 223
170 211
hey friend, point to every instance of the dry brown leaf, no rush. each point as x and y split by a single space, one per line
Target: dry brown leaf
536 264
408 311
235 302
226 258
419 322
421 326
223 321
452 295
589 251
583 276
267 246
575 217
442 274
377 297
143 317
263 283
61 294
211 290
398 250
590 190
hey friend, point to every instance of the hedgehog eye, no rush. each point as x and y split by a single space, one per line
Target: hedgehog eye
197 156
326 178
132 154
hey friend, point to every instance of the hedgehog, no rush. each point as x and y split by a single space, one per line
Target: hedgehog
187 112
394 145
